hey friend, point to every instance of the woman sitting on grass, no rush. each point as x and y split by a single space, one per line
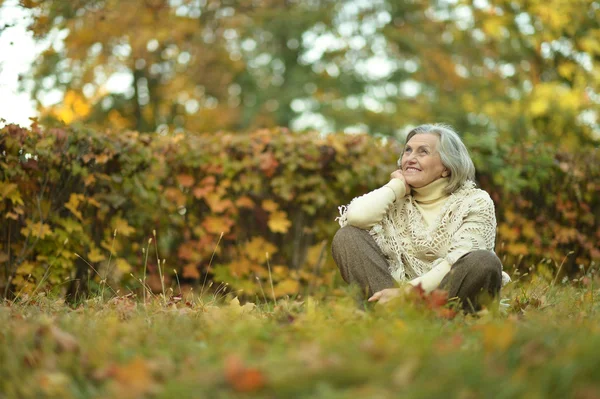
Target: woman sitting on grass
429 226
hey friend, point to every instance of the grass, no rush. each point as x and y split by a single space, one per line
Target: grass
544 345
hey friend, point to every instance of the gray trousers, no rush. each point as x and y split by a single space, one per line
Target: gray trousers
474 279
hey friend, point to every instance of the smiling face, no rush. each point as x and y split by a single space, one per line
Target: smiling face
421 162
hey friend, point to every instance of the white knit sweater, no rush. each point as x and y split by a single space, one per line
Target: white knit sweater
422 234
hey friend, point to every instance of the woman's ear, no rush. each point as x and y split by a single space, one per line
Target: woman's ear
445 173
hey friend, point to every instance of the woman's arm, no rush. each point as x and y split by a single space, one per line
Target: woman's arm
478 231
369 209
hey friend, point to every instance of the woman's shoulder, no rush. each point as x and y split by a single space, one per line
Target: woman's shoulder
469 192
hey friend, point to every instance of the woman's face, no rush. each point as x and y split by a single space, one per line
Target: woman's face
421 162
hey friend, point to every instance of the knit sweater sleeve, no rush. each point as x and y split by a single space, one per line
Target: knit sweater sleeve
477 231
367 210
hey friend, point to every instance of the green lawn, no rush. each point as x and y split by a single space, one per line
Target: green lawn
546 343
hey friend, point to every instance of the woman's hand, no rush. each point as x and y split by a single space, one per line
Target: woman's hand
388 294
397 174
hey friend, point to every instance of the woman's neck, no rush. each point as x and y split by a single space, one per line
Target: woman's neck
431 192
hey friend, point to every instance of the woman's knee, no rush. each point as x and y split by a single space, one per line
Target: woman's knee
344 237
485 261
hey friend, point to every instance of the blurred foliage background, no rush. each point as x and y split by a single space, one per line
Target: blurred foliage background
149 88
515 69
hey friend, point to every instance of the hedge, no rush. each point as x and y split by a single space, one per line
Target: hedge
245 209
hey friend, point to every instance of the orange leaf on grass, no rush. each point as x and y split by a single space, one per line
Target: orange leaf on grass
134 378
242 378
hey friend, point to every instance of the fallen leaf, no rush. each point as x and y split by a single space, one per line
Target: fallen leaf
242 378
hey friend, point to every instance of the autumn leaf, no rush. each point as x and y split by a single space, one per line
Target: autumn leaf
200 192
278 222
134 378
89 180
286 287
217 224
185 180
95 255
122 226
123 266
257 247
269 205
242 378
240 267
74 201
244 202
175 196
497 337
268 163
191 271
188 251
38 229
216 203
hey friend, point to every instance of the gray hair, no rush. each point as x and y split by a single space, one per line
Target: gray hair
453 153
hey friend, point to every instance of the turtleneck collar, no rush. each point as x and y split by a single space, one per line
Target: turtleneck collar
431 192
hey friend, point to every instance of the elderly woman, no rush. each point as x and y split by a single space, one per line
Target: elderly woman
428 226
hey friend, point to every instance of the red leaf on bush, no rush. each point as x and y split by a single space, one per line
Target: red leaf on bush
268 163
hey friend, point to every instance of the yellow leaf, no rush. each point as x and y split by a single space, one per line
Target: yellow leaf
122 226
216 203
269 205
539 106
217 225
92 201
278 222
286 287
123 266
240 267
134 378
238 309
25 268
257 248
95 255
40 230
73 203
